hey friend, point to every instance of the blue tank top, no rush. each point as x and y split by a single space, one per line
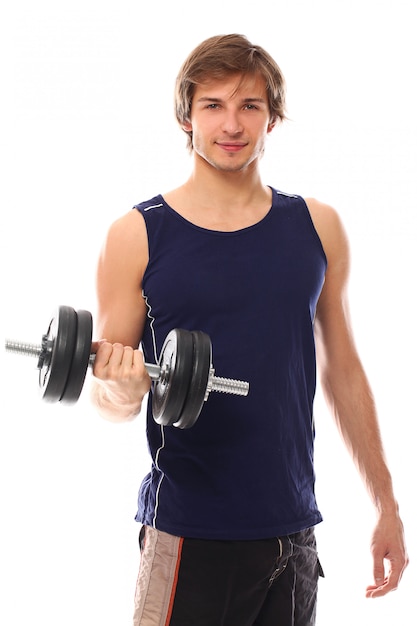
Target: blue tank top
245 469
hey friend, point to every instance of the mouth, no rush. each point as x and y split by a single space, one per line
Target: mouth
231 146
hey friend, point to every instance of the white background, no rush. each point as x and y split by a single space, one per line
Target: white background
88 132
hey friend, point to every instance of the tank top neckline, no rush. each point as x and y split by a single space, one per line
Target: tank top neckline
238 231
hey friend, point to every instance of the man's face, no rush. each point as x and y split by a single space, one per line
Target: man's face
230 119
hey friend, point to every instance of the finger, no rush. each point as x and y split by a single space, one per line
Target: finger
124 353
133 362
117 354
108 359
103 350
138 359
379 571
96 344
389 583
374 591
140 366
380 579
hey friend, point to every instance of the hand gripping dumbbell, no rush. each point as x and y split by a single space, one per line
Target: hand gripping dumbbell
182 379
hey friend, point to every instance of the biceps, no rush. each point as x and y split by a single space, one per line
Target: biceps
121 307
121 319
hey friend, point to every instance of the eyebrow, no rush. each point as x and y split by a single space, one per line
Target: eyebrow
246 100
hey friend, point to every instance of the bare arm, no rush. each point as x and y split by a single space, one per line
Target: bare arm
120 379
350 399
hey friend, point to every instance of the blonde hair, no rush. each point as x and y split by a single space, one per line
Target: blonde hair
219 57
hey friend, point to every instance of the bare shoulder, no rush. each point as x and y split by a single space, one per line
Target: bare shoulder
329 227
126 242
324 216
129 228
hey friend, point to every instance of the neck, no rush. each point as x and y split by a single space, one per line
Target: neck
221 200
218 188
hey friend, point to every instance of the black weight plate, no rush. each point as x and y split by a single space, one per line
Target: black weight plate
170 391
80 358
61 336
199 380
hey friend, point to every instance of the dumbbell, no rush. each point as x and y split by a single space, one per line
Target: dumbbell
182 379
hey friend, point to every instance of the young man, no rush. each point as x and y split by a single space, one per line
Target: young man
228 510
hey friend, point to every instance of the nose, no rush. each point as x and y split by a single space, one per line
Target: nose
231 123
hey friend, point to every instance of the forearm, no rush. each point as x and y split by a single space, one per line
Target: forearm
111 407
350 398
352 404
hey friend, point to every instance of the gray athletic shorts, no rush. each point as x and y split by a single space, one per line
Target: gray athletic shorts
194 582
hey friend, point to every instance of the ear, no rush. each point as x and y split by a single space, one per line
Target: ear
187 126
271 126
